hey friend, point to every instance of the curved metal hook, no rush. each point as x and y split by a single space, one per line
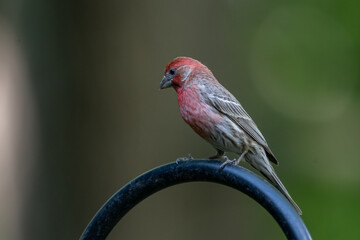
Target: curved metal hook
192 171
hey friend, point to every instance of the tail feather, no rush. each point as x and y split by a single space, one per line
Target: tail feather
258 158
273 178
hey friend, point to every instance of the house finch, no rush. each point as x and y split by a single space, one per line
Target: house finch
218 117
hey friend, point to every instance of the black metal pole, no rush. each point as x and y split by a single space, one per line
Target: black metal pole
192 171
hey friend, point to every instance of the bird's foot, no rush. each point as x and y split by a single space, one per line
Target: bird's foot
183 159
227 161
225 158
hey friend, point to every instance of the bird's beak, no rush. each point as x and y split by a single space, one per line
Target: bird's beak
165 83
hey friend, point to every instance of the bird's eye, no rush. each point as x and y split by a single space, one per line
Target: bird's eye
172 71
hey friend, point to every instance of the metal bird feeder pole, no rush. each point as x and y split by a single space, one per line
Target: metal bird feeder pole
194 171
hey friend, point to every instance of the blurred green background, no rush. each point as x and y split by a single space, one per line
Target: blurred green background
81 113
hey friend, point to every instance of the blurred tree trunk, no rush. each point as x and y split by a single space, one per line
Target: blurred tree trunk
60 40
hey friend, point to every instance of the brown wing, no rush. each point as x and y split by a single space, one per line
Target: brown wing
226 103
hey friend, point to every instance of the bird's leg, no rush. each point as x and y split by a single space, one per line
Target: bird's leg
241 157
182 159
219 154
234 161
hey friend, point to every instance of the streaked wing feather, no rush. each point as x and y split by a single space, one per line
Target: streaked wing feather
227 104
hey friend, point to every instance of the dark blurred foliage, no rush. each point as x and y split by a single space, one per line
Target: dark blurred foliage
91 117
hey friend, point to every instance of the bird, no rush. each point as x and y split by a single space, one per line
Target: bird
219 118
